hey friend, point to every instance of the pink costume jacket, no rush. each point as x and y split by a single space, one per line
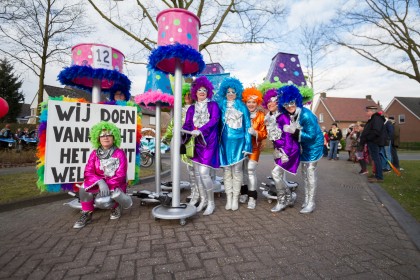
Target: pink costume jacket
114 173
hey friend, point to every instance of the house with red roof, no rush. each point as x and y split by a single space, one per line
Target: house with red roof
406 113
341 110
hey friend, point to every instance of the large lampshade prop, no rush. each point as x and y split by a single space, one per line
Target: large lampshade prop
96 68
176 54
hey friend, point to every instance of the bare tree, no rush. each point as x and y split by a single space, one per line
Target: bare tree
37 32
222 22
385 32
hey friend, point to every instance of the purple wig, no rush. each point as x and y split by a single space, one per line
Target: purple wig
287 94
201 82
268 95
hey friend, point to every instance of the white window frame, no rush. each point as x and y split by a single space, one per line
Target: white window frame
401 117
152 121
321 117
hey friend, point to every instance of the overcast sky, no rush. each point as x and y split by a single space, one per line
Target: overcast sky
251 63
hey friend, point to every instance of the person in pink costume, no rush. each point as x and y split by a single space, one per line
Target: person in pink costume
105 174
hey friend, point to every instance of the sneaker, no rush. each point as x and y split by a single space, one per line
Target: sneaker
252 203
386 170
363 172
84 219
243 198
115 213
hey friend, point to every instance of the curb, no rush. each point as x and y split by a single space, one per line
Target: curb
403 218
60 196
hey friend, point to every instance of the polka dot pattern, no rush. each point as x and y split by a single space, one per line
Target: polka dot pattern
286 68
178 26
83 55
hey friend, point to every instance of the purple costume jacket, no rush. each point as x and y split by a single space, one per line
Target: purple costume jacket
94 173
289 145
205 155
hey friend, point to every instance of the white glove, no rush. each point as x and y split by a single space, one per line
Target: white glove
284 158
195 133
246 153
252 131
289 128
103 188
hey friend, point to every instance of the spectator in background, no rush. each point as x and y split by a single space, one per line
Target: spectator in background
6 132
326 139
395 143
335 135
386 150
351 141
361 154
374 136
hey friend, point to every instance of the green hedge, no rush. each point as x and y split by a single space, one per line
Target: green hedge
410 145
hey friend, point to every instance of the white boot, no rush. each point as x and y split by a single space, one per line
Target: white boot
228 200
235 200
203 199
210 203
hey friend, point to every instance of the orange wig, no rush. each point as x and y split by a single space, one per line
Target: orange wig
252 93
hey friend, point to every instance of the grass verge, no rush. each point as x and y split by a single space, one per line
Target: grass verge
405 189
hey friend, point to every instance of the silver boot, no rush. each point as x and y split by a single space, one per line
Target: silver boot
309 170
203 199
195 195
210 203
281 203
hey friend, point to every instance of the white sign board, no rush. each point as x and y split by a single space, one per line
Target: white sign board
102 57
68 146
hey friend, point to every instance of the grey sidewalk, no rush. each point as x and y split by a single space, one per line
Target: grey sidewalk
351 235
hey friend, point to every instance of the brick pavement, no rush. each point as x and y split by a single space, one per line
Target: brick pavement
349 236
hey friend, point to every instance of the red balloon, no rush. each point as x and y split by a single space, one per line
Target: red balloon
4 107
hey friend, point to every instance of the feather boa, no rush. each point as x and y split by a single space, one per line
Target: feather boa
75 75
163 59
150 98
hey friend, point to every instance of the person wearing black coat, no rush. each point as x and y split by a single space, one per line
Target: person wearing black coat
374 135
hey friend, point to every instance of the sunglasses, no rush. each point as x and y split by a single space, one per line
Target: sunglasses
103 135
290 104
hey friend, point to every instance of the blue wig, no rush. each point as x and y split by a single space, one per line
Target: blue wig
231 83
287 94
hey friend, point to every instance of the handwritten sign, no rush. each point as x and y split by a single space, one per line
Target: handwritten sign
68 146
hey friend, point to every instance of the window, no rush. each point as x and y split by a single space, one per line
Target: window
401 118
321 117
153 120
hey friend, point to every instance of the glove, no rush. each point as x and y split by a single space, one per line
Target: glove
103 188
195 133
252 131
289 128
246 153
284 158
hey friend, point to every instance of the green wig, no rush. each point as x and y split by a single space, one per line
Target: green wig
186 88
97 129
265 86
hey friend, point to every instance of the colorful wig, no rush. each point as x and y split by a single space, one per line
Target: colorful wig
268 95
265 86
201 81
231 83
288 94
186 88
97 130
252 93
